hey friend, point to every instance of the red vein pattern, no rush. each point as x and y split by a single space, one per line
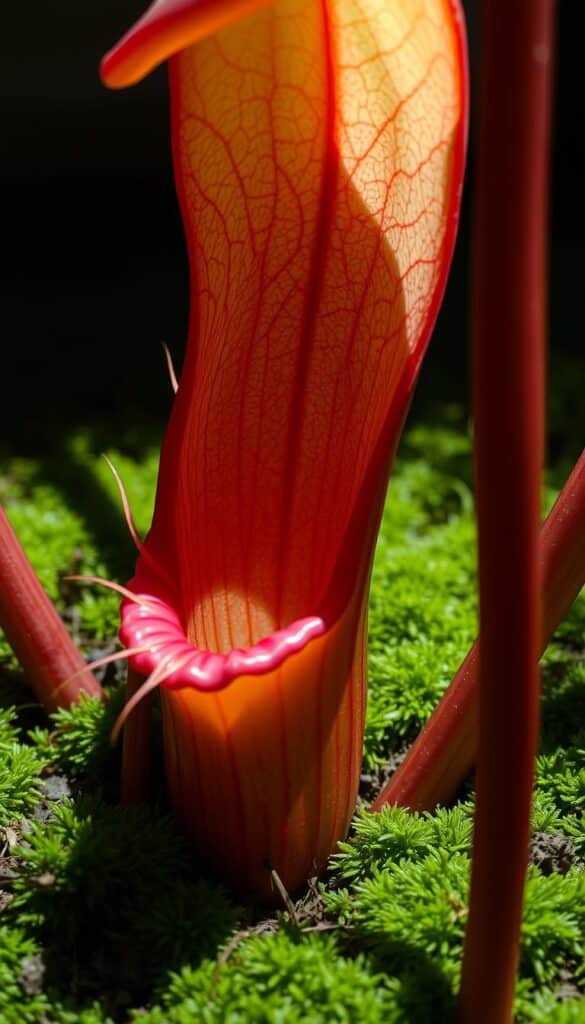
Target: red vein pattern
318 151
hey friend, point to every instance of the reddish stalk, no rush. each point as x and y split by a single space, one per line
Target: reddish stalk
136 743
509 314
444 752
36 633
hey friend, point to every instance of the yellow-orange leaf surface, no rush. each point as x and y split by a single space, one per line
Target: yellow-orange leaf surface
318 149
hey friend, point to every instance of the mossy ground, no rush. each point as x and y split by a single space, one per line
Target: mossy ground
102 916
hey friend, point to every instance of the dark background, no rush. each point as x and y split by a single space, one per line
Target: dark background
95 272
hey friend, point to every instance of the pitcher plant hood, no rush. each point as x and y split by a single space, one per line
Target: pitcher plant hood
318 150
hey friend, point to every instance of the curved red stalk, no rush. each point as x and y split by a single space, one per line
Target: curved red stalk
36 633
509 316
136 747
318 152
444 753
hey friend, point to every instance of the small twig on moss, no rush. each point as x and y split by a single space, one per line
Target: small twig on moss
278 884
237 938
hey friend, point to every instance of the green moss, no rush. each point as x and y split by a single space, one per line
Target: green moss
561 776
78 742
49 532
67 515
563 684
553 929
393 835
277 978
109 896
414 912
418 633
547 1008
411 912
95 1014
545 816
561 781
111 886
19 769
17 1005
8 728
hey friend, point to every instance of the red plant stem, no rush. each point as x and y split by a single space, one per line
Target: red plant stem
136 744
444 752
36 633
509 313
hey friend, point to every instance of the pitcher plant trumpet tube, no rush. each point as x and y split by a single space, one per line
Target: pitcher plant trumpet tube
318 149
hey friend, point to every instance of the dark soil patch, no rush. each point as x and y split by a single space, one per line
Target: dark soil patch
552 852
373 781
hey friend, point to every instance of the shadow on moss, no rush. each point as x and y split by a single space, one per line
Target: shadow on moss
110 894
